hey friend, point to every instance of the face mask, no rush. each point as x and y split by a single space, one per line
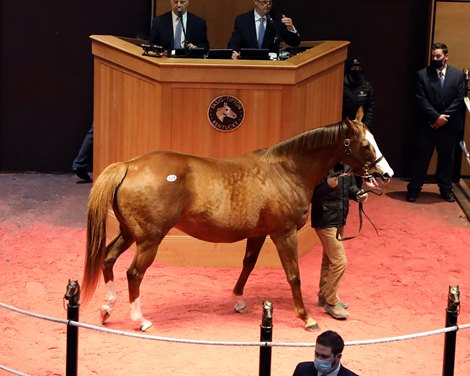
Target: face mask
324 366
355 77
437 64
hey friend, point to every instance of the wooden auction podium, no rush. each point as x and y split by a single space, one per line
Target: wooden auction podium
143 104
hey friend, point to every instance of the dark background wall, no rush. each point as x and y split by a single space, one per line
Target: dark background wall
390 37
47 71
47 75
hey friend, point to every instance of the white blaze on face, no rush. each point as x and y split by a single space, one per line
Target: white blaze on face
382 167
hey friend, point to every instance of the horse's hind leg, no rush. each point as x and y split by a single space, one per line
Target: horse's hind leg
144 257
253 248
114 249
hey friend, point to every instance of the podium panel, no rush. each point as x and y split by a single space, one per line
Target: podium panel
143 104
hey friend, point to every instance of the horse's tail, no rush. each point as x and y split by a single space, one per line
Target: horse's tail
101 196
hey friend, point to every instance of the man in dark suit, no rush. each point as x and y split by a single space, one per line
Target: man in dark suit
191 33
440 93
328 353
262 28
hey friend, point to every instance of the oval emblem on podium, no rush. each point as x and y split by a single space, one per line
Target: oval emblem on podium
226 113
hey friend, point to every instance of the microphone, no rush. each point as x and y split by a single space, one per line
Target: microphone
270 19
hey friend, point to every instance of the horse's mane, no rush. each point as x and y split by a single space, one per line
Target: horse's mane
311 140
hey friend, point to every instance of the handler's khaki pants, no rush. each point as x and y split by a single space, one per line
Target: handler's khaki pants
333 264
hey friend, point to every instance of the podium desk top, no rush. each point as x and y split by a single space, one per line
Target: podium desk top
127 53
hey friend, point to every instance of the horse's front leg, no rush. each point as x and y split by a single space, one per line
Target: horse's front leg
253 248
286 245
115 248
144 257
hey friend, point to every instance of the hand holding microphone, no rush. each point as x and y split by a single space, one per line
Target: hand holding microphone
288 22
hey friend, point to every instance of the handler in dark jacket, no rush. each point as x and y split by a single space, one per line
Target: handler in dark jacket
330 207
357 92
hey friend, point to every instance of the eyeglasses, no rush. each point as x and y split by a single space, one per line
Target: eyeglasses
176 2
265 2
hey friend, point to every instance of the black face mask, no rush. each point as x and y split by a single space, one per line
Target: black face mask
355 77
437 63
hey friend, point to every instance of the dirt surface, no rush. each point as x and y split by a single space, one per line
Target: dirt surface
396 283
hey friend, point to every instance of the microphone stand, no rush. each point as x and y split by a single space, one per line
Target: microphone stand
276 37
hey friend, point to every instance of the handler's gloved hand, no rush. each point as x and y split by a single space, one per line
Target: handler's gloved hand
361 196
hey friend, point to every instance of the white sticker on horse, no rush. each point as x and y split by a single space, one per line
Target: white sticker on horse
171 178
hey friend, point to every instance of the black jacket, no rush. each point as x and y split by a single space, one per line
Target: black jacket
330 206
433 101
356 94
244 33
308 369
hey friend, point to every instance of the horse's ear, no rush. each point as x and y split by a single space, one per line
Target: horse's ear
359 114
351 125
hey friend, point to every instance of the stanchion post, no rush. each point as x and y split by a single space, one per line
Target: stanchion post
452 312
266 335
73 296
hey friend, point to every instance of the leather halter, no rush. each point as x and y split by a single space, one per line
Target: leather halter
366 166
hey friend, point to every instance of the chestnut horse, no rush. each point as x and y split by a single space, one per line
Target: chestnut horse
265 192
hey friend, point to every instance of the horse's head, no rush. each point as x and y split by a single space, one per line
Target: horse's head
225 111
363 153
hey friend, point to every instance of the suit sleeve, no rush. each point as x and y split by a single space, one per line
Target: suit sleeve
236 39
292 39
458 101
154 37
422 96
202 41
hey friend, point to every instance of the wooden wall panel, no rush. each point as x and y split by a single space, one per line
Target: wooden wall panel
125 124
452 20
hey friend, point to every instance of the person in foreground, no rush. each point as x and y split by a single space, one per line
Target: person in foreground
179 29
328 353
440 93
330 207
262 28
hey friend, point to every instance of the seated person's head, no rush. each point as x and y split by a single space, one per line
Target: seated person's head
179 7
263 7
328 351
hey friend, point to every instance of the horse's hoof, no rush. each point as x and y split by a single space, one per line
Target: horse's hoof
104 314
241 308
146 326
311 325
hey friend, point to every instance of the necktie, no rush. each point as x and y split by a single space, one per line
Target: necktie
261 31
178 32
441 80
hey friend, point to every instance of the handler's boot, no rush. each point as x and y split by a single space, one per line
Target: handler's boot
321 302
337 311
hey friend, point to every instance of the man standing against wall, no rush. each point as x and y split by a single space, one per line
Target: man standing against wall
440 92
